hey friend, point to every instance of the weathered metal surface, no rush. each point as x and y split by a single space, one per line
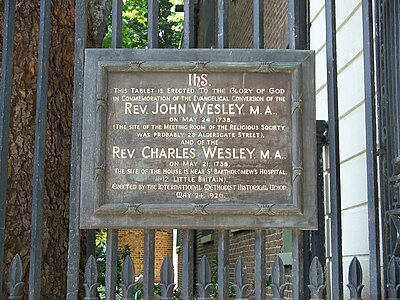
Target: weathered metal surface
76 150
299 253
116 37
223 34
188 23
35 261
259 265
258 24
316 278
241 284
167 279
5 100
204 284
15 283
152 35
111 264
148 265
128 279
370 134
90 279
149 139
278 284
393 279
355 279
334 159
188 244
223 264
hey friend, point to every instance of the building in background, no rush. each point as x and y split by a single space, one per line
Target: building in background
352 129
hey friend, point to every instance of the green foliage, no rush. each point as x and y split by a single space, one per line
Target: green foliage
134 24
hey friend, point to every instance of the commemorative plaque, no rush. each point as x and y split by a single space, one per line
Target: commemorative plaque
199 139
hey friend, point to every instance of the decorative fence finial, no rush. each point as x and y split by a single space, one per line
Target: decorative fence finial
204 285
15 283
316 277
128 279
167 279
91 283
393 287
241 285
278 279
355 279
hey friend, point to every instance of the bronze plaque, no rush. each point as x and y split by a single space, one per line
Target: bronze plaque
215 137
198 143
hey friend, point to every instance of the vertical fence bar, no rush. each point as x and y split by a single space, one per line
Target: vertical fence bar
148 267
370 128
260 270
298 264
40 148
292 24
150 234
5 100
396 71
116 30
223 37
152 21
90 243
298 39
334 159
223 235
258 24
112 234
380 107
223 264
76 151
111 264
188 23
187 264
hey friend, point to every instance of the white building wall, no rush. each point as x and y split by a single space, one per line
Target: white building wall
352 128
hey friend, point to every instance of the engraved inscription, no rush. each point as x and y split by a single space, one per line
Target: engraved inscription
199 138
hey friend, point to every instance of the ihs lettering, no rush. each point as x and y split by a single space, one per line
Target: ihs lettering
198 80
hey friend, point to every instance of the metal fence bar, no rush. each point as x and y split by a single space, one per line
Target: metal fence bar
152 21
90 243
396 71
298 22
148 266
392 143
223 37
223 264
76 151
259 270
334 160
298 253
5 100
112 234
188 24
187 263
35 263
298 39
111 263
116 30
370 128
258 24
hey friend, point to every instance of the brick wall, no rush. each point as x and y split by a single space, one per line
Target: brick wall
135 240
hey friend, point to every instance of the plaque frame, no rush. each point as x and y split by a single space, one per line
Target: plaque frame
300 214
